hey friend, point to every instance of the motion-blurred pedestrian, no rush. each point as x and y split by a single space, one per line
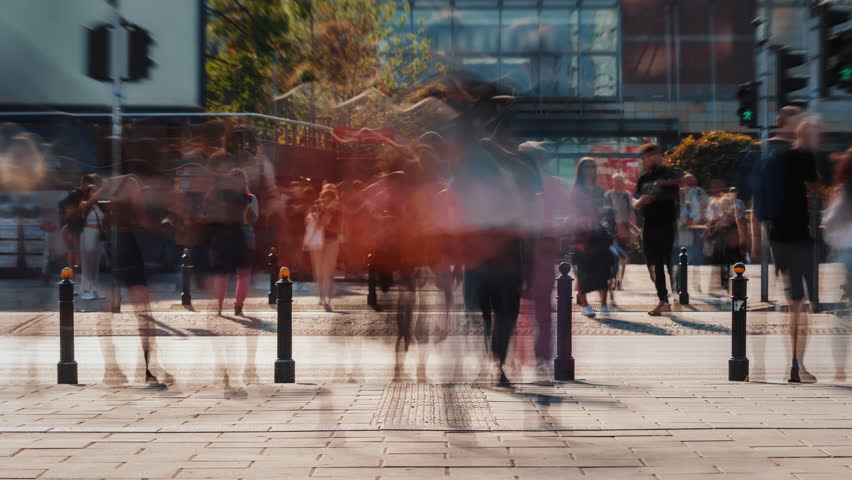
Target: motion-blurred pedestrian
657 194
594 258
322 240
791 237
227 206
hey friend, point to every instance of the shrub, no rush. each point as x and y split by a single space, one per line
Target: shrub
713 155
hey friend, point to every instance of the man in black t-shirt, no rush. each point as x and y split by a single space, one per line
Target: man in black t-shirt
657 195
791 236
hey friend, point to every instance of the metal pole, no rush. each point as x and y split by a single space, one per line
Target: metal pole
285 367
186 279
738 363
714 95
372 297
116 71
272 268
66 369
763 26
563 364
814 44
683 272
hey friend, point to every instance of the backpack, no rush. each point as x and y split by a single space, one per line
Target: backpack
768 177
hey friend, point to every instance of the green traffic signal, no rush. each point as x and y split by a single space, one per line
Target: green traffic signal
846 73
748 115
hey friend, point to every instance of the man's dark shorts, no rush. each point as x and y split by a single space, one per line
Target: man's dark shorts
796 262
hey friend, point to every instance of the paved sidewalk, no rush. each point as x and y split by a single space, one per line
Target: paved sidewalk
671 430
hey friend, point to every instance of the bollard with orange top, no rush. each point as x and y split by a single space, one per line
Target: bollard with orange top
738 364
285 366
563 364
66 369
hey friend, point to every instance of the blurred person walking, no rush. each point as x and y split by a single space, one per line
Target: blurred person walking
127 213
838 233
726 235
791 237
92 238
657 194
227 207
322 232
71 225
693 213
620 202
594 258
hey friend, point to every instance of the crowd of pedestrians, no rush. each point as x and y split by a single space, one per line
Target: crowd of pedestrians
472 210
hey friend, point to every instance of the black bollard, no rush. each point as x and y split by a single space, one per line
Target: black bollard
186 279
563 364
372 297
285 367
738 364
682 273
272 268
66 369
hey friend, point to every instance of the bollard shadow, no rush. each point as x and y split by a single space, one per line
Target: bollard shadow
252 323
162 328
635 327
703 327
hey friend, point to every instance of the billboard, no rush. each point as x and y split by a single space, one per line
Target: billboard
44 53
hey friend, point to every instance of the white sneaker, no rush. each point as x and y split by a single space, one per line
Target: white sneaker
588 311
604 309
87 296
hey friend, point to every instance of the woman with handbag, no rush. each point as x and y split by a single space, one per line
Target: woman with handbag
322 232
91 238
725 236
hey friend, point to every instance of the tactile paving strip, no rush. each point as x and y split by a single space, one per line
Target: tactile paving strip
453 405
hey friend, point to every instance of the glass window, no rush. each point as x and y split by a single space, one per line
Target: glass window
486 68
559 76
520 73
475 31
598 30
558 30
598 76
519 32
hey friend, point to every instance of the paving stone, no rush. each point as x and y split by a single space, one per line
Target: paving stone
4 474
83 470
223 472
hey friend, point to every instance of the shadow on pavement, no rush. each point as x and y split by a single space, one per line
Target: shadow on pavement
704 327
629 326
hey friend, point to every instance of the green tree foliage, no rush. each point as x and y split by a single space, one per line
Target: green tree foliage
713 155
340 47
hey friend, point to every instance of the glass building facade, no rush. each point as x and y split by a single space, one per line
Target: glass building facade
546 48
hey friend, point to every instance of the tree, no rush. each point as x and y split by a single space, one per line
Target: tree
340 47
713 155
244 38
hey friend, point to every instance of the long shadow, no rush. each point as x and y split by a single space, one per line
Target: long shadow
252 323
633 326
704 327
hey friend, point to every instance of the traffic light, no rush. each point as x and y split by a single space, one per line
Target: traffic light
98 59
835 49
747 113
138 42
786 82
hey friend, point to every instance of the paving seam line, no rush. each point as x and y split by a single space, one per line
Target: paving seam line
179 430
